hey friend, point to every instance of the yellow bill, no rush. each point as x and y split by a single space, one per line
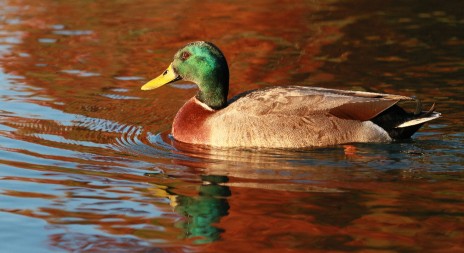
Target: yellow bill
168 76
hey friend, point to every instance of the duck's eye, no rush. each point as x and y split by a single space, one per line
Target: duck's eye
185 55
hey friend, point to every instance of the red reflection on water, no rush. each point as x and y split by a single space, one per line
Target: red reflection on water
90 57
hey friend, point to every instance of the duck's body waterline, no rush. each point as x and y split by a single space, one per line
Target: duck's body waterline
279 117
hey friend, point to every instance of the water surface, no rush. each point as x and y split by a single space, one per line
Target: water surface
87 163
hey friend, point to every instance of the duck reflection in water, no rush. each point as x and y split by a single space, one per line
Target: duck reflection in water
203 209
201 212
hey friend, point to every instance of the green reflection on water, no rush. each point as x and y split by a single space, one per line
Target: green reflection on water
203 212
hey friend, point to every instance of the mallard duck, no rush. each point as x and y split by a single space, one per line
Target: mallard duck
279 117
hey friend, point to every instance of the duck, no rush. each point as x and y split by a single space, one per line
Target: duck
279 116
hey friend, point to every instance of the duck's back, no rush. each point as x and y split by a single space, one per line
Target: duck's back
294 116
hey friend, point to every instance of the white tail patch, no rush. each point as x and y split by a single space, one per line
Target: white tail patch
419 120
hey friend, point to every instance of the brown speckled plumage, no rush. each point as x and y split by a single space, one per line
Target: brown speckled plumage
293 116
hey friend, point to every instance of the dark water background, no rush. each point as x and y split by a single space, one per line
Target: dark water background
87 165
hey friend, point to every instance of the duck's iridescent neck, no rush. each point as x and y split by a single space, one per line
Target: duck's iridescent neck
213 92
190 122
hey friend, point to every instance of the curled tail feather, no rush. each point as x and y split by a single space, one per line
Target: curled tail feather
421 117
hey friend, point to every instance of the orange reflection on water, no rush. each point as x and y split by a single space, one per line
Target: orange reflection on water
78 135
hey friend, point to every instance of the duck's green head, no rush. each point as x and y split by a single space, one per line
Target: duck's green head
202 63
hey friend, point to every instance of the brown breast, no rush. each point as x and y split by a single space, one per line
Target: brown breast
189 124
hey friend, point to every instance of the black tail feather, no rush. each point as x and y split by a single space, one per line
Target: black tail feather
394 116
418 107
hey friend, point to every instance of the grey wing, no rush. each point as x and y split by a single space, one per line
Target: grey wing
298 100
